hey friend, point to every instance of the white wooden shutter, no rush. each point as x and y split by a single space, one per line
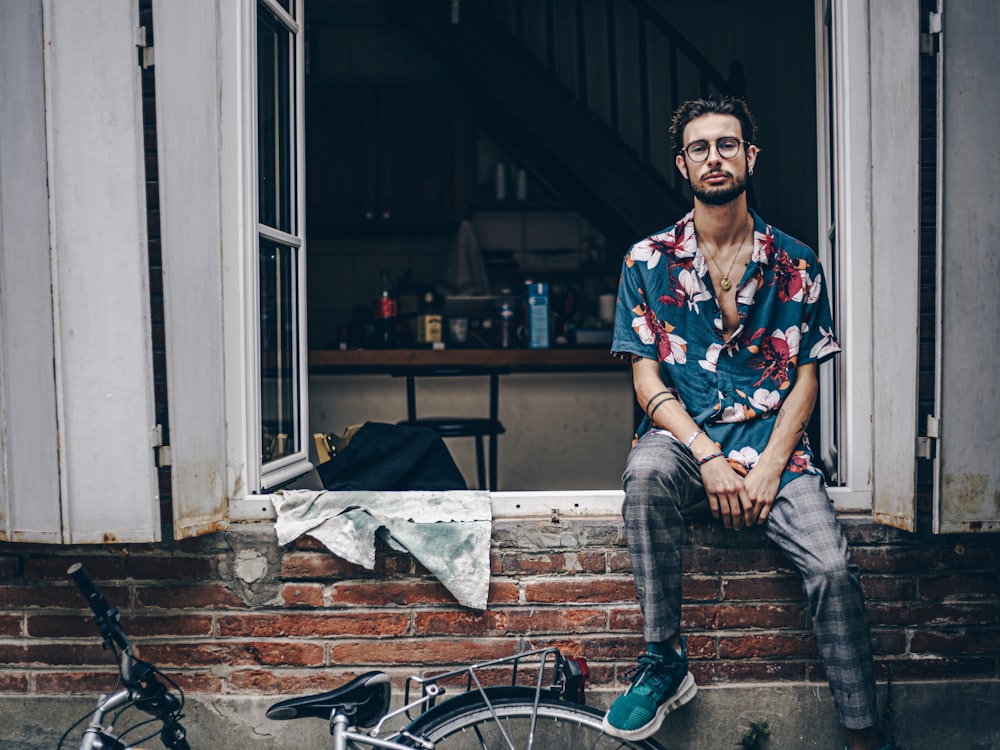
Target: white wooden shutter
94 364
967 467
28 446
895 221
188 98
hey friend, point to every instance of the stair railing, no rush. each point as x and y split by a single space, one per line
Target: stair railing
649 66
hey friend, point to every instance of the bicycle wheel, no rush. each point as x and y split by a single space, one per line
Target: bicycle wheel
466 723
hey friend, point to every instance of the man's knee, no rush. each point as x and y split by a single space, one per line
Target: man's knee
655 460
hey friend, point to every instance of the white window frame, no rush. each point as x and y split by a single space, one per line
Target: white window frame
241 234
873 234
873 461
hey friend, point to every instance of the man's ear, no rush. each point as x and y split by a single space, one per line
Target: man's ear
752 152
681 165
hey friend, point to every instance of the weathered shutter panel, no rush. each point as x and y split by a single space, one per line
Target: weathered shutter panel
967 469
894 35
93 363
188 98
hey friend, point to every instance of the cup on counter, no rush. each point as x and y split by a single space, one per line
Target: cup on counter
458 330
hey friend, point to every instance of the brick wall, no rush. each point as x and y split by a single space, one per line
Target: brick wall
234 614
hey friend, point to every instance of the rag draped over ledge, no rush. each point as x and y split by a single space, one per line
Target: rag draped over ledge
447 532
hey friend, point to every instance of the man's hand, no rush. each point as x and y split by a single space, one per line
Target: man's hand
761 486
727 494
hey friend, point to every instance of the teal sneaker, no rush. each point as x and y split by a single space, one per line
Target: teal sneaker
659 685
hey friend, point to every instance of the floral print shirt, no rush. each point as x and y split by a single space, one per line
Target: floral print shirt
667 310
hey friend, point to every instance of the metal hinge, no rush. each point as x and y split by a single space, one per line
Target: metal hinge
163 456
925 443
929 42
145 49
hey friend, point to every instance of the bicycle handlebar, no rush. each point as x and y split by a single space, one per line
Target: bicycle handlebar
107 617
143 688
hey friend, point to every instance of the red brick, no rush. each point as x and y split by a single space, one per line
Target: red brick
944 587
302 594
211 596
84 681
301 682
888 642
700 589
53 626
567 591
506 621
766 646
103 568
896 588
619 561
721 617
66 597
625 619
324 625
702 647
234 653
522 563
422 651
930 613
970 556
715 560
615 647
503 592
762 588
965 642
895 559
197 682
13 683
326 566
54 654
10 625
389 593
9 567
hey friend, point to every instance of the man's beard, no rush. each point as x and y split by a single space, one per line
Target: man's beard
720 196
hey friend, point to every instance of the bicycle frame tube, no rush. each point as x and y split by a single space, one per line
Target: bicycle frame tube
105 704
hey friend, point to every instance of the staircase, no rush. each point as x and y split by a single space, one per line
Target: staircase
582 92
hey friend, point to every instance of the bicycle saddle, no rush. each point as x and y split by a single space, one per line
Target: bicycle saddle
364 699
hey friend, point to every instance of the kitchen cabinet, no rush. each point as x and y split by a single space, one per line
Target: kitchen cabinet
384 160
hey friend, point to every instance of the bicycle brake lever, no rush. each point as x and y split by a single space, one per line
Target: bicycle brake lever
154 697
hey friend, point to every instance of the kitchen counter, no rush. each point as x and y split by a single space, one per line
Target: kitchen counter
506 360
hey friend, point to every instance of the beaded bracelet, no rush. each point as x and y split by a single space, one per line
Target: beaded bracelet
705 459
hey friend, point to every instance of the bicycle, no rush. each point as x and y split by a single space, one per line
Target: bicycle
550 713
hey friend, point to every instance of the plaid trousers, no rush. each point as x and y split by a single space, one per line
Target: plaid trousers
663 484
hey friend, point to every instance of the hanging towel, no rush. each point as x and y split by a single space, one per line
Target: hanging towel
466 270
447 532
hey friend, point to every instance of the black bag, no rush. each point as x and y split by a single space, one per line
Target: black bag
392 457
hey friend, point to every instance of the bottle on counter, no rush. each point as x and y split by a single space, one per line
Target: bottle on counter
429 321
385 314
408 298
506 320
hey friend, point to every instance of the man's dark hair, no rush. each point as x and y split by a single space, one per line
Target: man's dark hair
724 105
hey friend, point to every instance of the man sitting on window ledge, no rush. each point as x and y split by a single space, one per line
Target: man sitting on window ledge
726 319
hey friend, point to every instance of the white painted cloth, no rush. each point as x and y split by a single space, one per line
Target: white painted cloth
447 532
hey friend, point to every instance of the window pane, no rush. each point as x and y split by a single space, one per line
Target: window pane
274 122
279 350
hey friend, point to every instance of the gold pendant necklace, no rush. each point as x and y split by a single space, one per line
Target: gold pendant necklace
725 283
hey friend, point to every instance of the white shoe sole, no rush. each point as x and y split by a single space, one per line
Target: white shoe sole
684 694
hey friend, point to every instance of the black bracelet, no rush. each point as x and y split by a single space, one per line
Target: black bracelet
646 410
659 404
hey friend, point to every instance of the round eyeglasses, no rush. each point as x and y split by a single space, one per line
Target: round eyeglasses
698 151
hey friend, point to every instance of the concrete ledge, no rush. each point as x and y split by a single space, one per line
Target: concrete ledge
801 717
